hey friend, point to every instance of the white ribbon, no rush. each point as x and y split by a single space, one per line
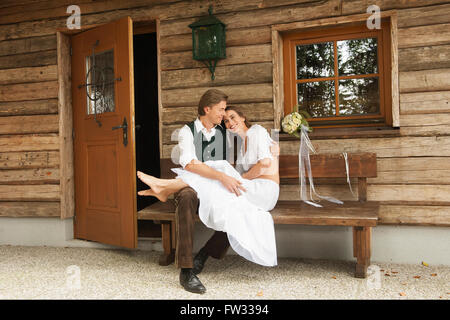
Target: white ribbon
304 161
347 171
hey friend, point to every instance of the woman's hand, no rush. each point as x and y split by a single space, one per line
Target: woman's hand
232 184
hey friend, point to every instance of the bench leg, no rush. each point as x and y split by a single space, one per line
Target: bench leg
168 255
362 249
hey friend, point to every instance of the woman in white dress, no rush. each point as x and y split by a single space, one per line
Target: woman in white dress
244 218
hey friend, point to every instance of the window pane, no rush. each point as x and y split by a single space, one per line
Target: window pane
100 77
359 96
315 60
318 98
358 56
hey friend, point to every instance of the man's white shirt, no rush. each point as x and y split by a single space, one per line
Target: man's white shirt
186 141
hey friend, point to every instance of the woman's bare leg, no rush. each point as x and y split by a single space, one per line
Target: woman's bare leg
160 188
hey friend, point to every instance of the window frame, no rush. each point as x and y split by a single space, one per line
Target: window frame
334 34
391 89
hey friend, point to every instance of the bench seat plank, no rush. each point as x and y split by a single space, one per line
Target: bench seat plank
351 213
158 211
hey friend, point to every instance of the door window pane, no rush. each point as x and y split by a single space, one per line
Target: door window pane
359 96
315 60
357 56
317 98
100 80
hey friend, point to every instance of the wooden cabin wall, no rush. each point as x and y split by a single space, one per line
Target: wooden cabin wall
413 180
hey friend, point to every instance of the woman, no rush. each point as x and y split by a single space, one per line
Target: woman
244 218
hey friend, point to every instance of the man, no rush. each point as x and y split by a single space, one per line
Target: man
200 141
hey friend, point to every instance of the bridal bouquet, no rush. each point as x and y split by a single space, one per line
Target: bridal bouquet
293 122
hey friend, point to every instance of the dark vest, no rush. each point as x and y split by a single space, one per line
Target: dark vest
214 149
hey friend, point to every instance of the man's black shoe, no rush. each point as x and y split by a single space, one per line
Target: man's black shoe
199 262
190 282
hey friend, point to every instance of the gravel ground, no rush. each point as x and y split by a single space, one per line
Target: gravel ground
85 273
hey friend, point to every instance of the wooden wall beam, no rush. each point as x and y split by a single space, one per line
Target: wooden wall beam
31 74
29 160
30 209
67 191
19 108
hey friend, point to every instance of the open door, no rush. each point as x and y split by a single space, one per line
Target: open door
104 134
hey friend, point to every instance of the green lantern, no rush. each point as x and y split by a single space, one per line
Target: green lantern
208 41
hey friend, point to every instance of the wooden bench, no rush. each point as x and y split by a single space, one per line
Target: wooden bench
361 215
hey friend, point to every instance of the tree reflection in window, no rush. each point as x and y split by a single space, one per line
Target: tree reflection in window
315 60
317 98
357 92
358 96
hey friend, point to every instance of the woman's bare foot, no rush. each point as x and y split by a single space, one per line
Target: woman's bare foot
154 183
149 192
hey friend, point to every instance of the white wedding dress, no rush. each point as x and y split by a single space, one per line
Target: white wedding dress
245 219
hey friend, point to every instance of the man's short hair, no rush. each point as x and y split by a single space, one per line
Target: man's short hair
210 98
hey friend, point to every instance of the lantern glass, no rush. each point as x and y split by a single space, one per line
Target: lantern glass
209 42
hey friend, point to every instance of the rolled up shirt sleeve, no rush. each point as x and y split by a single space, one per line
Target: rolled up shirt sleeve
186 146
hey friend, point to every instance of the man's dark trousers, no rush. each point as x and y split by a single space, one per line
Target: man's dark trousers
187 204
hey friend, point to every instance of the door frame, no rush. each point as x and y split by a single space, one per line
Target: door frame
65 112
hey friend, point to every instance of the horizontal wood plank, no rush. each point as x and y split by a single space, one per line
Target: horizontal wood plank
383 147
424 81
30 176
36 142
414 215
423 15
235 55
292 212
405 176
234 37
425 102
261 17
249 93
30 209
27 45
348 214
435 119
401 192
29 91
358 6
436 34
29 124
291 192
29 160
33 59
331 165
424 58
46 192
31 107
225 75
31 74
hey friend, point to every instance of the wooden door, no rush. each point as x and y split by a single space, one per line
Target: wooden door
103 98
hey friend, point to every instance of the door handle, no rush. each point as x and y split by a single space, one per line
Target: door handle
124 127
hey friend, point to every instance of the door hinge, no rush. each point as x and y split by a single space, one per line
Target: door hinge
70 50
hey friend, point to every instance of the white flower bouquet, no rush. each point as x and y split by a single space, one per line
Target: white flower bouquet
293 122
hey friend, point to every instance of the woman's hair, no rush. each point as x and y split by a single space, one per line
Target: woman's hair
240 113
210 98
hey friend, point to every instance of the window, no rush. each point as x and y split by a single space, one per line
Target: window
340 75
